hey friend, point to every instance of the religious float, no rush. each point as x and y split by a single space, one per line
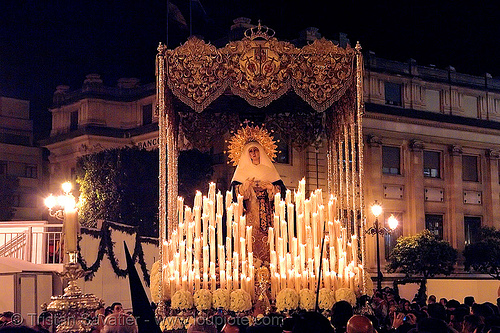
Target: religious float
300 249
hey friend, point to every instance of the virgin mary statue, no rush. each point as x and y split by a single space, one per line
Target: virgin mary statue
257 180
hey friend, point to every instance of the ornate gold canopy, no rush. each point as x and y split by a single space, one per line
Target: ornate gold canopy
260 69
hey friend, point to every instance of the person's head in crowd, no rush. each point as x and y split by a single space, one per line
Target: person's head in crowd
108 311
452 304
312 322
493 308
6 318
436 310
443 301
406 306
17 329
120 323
457 317
359 324
230 328
481 310
363 300
471 324
431 299
431 325
205 327
469 300
45 320
117 307
288 324
341 312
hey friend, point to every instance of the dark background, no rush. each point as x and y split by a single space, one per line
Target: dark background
47 43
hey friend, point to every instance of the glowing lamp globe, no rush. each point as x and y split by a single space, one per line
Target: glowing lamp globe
66 187
50 201
376 209
393 222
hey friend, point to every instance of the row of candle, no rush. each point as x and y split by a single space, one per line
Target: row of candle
197 255
299 234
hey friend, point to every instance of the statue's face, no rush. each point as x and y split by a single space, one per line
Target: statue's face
254 155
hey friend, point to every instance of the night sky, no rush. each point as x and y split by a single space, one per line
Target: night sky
47 43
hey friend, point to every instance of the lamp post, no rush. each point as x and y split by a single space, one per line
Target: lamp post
73 308
376 230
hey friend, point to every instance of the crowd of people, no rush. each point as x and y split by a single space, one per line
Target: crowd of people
385 312
112 319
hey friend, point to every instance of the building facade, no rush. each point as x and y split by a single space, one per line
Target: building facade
431 149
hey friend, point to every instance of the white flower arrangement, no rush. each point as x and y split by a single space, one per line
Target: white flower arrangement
221 299
240 301
182 300
287 300
203 299
345 294
154 285
307 299
326 299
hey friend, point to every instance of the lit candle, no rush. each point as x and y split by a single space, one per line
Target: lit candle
219 228
197 221
205 280
71 229
277 199
300 228
284 234
190 232
314 227
242 249
205 259
197 282
291 222
288 197
249 238
205 229
229 220
270 237
180 209
198 199
229 199
222 279
220 205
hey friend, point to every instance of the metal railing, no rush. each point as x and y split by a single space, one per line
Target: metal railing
36 243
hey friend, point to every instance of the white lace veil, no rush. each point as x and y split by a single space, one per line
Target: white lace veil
264 171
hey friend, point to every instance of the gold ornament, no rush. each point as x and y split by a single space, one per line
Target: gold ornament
251 134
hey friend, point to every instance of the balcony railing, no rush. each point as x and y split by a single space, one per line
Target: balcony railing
36 242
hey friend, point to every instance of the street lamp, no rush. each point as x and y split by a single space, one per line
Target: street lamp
376 230
63 208
74 307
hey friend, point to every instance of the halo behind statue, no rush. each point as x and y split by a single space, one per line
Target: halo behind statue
251 134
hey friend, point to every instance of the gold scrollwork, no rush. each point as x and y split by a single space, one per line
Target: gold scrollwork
260 69
196 73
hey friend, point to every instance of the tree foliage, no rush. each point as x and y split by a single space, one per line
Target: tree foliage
8 187
121 185
422 254
483 256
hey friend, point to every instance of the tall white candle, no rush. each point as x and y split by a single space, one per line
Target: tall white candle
249 238
197 221
71 229
219 228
